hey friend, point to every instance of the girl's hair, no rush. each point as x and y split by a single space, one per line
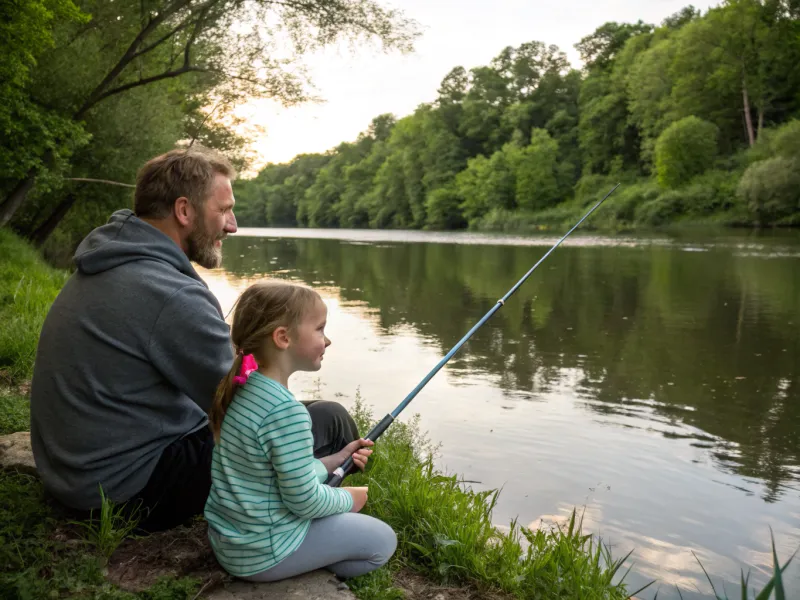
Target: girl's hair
259 311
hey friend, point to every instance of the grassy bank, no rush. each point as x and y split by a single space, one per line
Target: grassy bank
445 531
28 287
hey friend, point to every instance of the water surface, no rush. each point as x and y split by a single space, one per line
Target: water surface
652 382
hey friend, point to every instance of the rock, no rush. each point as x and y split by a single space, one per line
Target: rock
16 452
317 585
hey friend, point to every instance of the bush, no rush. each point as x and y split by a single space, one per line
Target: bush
785 140
771 189
684 150
779 141
591 187
661 210
623 204
711 192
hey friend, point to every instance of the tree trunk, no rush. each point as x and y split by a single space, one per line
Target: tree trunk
747 117
760 122
17 196
40 235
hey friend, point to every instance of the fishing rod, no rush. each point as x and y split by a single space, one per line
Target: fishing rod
335 478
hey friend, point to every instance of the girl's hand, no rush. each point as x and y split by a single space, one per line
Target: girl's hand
359 451
359 495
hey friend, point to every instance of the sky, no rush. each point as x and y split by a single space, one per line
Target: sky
357 86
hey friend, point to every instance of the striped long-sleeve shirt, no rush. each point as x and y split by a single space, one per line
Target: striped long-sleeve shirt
266 485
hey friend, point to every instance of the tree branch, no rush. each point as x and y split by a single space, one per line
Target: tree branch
186 68
147 80
99 92
107 181
162 39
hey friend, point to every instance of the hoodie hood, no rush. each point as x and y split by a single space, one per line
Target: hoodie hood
126 238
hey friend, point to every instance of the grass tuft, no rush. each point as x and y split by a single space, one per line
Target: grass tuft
110 530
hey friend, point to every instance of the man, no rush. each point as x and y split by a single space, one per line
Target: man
133 348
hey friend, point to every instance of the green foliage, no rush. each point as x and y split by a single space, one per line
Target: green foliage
777 141
443 209
517 138
661 210
514 135
686 148
785 140
142 82
535 167
28 128
27 289
771 189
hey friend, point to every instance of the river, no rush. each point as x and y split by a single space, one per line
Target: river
653 382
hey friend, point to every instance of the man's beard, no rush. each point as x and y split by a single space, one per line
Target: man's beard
201 248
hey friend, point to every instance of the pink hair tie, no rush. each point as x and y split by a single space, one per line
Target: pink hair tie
249 365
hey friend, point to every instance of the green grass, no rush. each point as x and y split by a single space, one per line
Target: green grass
28 287
445 530
38 562
106 532
14 412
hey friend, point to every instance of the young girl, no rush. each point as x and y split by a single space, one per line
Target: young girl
270 515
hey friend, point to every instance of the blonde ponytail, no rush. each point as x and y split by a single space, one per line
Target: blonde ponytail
258 312
223 397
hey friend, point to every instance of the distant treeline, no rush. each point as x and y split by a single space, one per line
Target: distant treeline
695 117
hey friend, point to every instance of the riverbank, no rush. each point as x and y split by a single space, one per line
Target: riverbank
445 530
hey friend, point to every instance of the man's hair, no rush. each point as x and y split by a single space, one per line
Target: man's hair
187 172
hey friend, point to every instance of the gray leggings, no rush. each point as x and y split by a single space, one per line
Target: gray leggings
349 544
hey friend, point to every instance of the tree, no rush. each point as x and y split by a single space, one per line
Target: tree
536 170
599 49
30 131
649 89
443 209
732 65
141 44
686 148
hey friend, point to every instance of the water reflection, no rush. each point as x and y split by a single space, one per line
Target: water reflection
656 386
647 329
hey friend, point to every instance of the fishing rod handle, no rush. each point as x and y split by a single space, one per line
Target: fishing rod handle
335 479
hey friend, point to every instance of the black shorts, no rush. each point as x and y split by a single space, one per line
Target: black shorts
178 488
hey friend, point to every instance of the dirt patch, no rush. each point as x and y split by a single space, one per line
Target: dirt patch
21 388
416 587
180 552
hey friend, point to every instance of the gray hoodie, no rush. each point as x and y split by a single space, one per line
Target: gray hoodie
128 361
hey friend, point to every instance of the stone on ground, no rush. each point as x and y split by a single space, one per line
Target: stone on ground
16 452
317 585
